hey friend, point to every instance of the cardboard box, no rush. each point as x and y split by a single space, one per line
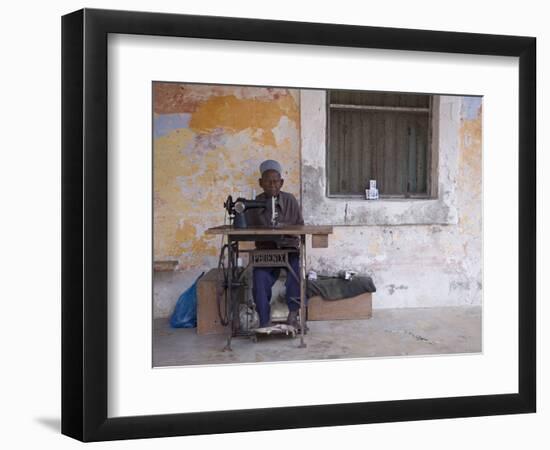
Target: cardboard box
208 319
352 308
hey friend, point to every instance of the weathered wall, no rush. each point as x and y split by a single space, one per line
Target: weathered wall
419 252
208 142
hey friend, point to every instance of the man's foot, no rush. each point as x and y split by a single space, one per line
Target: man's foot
292 319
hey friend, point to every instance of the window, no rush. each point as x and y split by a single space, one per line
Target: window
379 136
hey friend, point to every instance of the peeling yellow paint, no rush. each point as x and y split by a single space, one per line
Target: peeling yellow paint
199 247
470 133
231 130
235 115
168 163
185 233
470 175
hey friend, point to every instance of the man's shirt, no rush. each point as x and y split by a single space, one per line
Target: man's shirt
289 213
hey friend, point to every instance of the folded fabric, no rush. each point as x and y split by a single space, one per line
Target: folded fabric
336 288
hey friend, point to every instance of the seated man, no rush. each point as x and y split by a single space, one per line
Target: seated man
288 214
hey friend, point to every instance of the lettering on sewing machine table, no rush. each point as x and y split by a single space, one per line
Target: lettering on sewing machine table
269 258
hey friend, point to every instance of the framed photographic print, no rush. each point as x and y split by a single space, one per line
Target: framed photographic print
273 224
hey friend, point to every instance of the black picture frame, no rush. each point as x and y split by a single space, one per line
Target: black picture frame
84 224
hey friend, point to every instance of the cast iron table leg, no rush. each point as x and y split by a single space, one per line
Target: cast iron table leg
302 290
229 288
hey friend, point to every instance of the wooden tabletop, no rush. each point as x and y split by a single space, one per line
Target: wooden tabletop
286 230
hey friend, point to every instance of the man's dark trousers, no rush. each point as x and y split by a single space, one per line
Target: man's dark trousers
264 279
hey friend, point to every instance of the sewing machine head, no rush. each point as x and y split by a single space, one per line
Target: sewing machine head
237 208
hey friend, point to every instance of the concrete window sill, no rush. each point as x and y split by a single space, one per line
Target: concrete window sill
395 211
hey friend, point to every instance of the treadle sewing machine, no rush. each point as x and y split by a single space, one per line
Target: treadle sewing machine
236 210
234 276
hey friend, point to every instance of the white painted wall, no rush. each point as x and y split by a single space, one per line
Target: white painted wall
418 252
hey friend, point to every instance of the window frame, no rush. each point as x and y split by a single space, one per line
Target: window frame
432 153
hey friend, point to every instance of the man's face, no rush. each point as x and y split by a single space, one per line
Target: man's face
271 182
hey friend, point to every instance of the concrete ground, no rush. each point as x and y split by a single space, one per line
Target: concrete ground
390 332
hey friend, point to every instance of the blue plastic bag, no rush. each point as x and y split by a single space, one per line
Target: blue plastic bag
185 311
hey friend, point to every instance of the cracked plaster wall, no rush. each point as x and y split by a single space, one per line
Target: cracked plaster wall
419 252
208 142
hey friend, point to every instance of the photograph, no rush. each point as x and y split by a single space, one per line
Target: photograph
296 224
